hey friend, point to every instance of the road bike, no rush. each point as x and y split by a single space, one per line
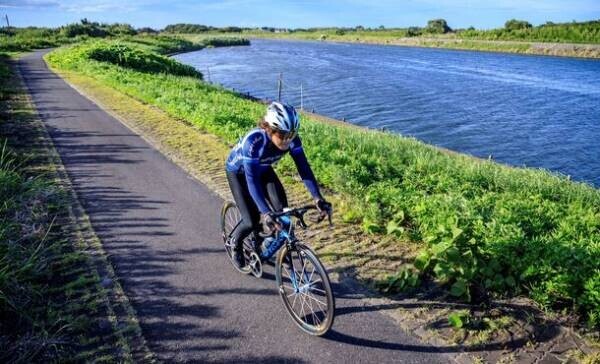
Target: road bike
302 281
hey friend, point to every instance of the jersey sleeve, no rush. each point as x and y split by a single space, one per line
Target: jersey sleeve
306 173
252 148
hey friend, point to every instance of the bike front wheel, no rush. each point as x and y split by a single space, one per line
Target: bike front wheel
305 289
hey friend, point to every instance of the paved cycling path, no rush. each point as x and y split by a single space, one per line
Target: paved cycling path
160 228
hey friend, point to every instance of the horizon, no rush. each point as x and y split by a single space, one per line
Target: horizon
296 14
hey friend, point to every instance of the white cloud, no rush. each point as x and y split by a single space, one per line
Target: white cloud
28 3
79 6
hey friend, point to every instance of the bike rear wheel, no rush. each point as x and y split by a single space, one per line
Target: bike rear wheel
305 289
230 219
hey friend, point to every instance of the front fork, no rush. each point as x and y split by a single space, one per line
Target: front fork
291 246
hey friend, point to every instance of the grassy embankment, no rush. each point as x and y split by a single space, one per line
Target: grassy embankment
484 229
53 305
568 39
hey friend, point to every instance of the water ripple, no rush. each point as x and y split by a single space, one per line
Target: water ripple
523 110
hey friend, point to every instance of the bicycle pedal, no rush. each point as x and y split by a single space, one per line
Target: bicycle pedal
255 265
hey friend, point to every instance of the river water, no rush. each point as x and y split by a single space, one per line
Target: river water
522 110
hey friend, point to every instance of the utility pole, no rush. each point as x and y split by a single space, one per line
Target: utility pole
279 87
7 23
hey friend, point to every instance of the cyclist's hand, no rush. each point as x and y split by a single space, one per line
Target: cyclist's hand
270 222
324 207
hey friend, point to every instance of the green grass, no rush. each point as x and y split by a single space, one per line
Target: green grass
49 294
485 229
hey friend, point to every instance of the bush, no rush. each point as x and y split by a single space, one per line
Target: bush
138 59
515 24
187 28
88 29
582 32
119 29
225 42
414 32
438 26
147 30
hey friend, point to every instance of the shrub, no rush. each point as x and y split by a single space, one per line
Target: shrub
88 29
438 26
515 24
138 59
414 32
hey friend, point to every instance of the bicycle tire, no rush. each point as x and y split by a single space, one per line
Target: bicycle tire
230 218
310 321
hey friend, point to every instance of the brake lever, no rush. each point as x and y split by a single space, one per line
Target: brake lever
301 223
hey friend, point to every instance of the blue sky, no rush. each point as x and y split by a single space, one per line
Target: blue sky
294 14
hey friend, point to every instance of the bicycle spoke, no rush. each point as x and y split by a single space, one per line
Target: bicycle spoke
288 273
294 301
319 281
314 299
317 289
302 300
311 275
312 312
292 281
302 273
289 287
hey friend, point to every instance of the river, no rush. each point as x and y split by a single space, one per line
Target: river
534 111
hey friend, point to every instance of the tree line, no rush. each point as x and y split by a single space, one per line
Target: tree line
514 29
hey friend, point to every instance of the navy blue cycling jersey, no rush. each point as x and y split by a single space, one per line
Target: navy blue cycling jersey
255 152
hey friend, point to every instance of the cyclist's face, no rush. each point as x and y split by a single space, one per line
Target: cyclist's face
282 141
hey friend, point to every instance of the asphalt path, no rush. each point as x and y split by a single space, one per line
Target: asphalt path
160 228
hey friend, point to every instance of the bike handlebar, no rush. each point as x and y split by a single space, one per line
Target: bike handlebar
299 214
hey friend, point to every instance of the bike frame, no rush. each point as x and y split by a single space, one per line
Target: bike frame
286 233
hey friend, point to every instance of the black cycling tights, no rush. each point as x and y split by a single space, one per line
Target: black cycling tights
250 215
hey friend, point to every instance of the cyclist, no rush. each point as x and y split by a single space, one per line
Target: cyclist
254 185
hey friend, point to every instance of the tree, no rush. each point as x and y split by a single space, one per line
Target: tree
119 29
413 32
514 24
147 30
438 26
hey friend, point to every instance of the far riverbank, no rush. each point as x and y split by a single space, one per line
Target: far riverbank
577 50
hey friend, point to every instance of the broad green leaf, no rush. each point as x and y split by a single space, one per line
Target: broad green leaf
422 260
455 320
459 288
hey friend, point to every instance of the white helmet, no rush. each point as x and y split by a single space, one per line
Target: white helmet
282 117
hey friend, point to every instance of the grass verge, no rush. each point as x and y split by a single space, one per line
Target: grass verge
58 298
